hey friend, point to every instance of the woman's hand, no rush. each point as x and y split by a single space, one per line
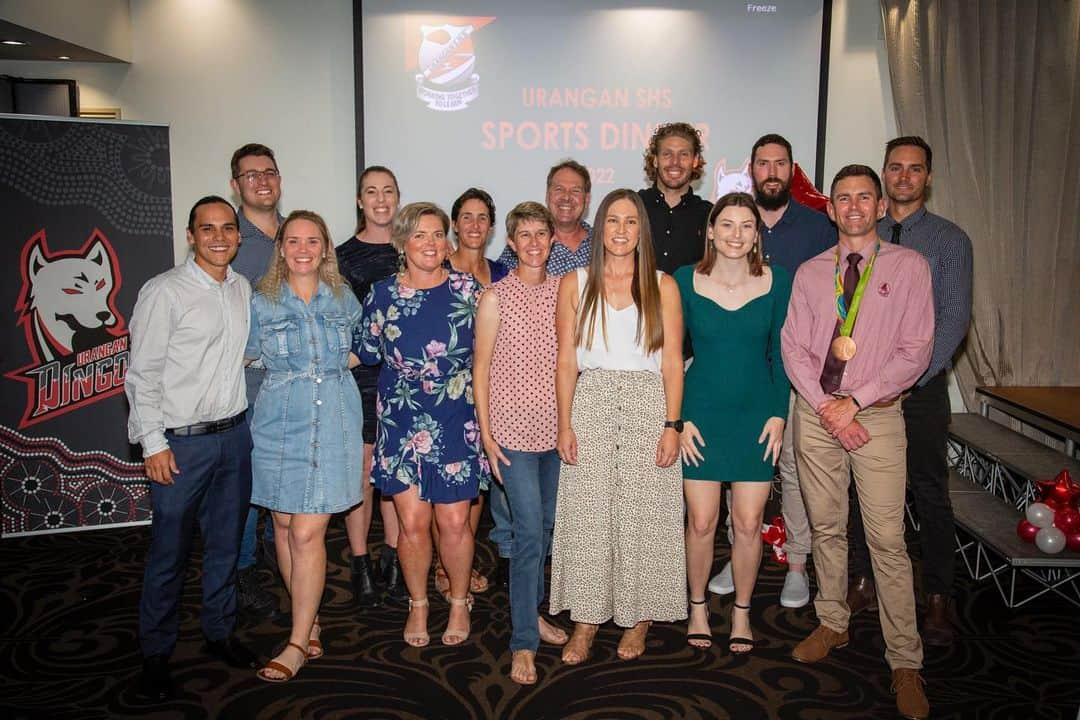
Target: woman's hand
667 450
495 456
566 444
688 444
773 437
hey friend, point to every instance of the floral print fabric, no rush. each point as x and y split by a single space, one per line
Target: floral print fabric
427 434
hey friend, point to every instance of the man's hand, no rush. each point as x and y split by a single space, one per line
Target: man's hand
837 414
161 466
853 437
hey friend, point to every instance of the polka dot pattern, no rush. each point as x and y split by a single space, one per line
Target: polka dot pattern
523 414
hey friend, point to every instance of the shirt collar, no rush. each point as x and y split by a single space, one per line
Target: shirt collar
910 220
250 229
657 195
203 277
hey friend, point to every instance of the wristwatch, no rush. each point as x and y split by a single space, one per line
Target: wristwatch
675 425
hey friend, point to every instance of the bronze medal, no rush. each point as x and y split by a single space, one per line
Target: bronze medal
843 348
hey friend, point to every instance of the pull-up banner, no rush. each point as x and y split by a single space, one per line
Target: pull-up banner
85 220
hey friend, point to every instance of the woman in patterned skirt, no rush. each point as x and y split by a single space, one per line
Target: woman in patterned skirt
618 544
419 325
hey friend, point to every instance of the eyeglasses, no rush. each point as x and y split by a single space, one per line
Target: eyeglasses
252 176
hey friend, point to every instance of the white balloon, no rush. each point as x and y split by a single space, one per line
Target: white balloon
1050 540
1040 515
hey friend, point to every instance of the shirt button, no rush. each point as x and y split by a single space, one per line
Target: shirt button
318 379
318 402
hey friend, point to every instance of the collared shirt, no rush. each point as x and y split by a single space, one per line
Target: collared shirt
187 353
948 250
678 233
256 247
562 259
252 261
799 234
894 330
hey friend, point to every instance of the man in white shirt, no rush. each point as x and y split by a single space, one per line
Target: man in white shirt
185 387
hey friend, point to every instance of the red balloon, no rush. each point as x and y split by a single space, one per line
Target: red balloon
1067 519
1072 541
1026 531
804 191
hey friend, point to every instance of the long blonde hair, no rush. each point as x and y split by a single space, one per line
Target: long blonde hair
278 272
644 287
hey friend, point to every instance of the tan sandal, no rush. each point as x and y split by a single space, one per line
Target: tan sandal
632 642
456 637
577 649
314 644
416 639
286 672
478 583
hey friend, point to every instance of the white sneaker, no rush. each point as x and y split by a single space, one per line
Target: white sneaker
722 583
796 592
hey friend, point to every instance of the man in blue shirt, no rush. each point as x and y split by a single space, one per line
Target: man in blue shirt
792 234
569 188
257 182
927 411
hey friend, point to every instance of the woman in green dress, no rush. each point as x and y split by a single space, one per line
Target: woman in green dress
735 403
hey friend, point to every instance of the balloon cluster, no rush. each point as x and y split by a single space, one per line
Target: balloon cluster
775 535
1053 523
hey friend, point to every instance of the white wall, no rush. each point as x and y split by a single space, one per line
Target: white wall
860 110
222 73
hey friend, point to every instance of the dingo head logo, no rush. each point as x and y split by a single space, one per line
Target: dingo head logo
735 180
67 303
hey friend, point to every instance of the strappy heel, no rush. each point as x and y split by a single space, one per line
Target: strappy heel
416 639
703 640
456 637
733 641
286 672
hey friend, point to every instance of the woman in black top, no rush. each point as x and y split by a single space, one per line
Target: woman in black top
364 259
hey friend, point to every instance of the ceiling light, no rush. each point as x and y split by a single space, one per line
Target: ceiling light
12 42
62 57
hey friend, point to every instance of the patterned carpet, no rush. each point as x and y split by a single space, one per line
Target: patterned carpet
69 650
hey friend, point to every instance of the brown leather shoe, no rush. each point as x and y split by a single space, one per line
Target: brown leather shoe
861 595
911 700
818 644
937 629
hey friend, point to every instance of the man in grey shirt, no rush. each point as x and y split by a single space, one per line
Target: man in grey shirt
185 387
907 178
257 182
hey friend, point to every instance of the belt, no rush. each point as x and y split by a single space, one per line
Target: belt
880 403
208 428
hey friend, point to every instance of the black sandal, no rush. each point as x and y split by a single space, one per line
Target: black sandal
732 641
705 637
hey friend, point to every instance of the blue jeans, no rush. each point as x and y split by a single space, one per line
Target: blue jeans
249 539
501 532
531 481
212 488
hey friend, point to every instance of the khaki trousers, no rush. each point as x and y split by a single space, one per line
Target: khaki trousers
880 471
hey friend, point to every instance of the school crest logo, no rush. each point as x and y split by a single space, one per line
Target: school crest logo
441 52
76 337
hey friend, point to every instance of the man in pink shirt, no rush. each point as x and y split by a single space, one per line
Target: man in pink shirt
859 332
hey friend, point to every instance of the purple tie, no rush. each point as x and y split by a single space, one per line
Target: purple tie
834 368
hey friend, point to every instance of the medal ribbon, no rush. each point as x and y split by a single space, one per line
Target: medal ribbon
847 316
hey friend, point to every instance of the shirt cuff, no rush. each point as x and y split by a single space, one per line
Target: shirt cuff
153 443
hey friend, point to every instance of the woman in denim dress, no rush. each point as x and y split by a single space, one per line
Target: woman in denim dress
306 427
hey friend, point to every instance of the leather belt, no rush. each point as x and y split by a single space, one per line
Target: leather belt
879 404
208 428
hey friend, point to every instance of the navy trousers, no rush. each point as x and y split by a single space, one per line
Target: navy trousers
213 488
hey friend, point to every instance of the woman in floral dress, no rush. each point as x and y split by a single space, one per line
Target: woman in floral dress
428 457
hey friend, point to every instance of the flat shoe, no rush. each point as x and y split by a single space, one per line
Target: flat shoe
286 672
314 644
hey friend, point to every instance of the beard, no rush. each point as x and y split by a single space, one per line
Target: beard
772 202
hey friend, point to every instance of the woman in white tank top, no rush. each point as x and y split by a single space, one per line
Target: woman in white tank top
618 550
